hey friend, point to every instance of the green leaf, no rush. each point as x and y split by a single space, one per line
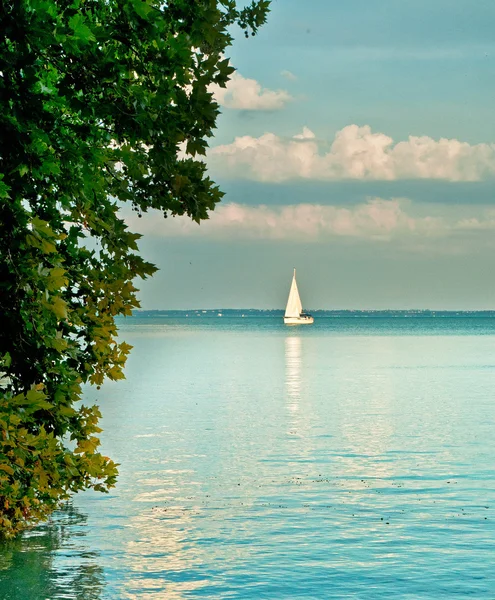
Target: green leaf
80 30
142 8
7 359
102 96
4 188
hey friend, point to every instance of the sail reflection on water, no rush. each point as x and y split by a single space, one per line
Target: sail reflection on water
293 353
299 406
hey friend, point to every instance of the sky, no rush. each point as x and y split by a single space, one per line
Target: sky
357 144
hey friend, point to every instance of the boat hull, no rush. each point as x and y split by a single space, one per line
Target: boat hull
298 320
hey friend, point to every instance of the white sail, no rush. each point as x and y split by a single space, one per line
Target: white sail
294 306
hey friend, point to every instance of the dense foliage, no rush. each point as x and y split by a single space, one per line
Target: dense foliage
102 102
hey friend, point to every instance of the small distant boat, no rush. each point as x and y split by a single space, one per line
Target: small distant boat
294 314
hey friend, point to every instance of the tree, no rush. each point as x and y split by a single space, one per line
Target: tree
102 102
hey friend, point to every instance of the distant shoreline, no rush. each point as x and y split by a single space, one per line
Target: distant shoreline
320 313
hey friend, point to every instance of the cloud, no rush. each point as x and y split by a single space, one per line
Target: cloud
377 219
247 94
355 153
306 134
288 75
397 223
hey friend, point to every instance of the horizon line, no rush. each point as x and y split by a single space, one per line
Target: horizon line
470 310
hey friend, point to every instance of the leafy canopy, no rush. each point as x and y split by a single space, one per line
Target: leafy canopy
102 102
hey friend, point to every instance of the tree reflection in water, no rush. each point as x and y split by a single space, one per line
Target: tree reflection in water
50 562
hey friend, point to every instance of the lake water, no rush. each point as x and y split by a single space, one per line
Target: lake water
351 459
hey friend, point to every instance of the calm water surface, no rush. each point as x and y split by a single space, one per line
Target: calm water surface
351 459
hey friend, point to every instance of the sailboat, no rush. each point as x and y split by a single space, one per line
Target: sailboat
294 314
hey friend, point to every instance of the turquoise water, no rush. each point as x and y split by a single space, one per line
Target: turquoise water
351 459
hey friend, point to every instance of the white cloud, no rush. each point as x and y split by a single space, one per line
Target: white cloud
288 75
355 153
377 219
306 134
247 94
397 222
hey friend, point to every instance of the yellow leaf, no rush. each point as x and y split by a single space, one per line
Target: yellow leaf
48 247
43 226
32 240
66 411
8 469
59 307
59 344
34 395
57 278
